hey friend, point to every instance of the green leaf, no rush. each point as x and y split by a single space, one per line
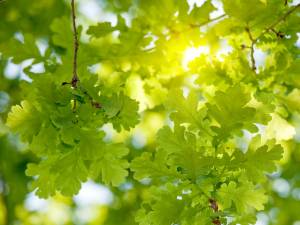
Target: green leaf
231 112
245 197
183 152
121 111
244 11
101 29
291 100
45 141
25 119
201 14
171 141
62 37
64 174
187 111
258 161
45 181
21 51
155 168
111 166
71 172
165 208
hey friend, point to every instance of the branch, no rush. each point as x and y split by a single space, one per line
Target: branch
94 104
279 20
75 78
214 205
253 41
270 28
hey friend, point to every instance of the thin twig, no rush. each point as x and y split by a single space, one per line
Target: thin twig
75 78
94 103
279 20
270 28
251 48
214 205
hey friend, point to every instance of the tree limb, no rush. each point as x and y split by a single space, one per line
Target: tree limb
279 20
269 28
75 78
253 41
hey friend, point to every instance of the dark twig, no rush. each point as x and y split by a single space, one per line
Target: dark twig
268 29
75 78
280 19
253 41
214 205
279 34
94 103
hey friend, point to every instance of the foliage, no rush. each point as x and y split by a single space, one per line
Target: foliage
220 122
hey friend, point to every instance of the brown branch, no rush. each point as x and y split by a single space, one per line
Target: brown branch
214 205
279 20
268 29
75 78
253 41
94 103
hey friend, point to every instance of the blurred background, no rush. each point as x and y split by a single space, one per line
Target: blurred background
95 203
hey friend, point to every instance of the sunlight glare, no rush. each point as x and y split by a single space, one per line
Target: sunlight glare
191 53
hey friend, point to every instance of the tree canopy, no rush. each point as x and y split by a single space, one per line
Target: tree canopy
186 111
